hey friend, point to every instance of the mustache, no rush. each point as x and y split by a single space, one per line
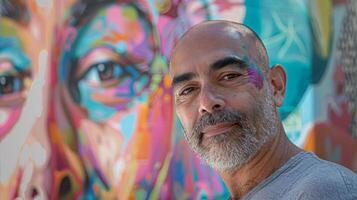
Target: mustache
210 119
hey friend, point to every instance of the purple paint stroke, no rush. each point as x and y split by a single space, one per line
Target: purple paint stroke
255 77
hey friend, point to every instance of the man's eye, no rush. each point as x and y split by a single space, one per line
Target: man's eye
10 84
186 91
228 77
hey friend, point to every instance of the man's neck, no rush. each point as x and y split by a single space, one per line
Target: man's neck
273 155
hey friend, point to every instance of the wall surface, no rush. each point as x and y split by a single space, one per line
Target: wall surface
86 108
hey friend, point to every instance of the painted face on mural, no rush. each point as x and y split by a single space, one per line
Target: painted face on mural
23 102
110 87
15 72
114 50
222 95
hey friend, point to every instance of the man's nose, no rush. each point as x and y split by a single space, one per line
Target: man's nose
210 101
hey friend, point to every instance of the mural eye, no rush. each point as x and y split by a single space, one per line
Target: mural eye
105 74
108 71
10 84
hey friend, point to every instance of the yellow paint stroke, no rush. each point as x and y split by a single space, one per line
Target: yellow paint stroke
73 159
128 179
321 14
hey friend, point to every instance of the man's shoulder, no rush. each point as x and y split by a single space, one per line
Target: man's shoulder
328 172
326 180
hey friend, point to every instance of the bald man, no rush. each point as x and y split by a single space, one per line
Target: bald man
226 98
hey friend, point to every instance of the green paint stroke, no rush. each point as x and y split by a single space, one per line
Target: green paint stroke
160 179
158 69
130 13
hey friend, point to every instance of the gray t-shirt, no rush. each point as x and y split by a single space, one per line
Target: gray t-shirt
305 176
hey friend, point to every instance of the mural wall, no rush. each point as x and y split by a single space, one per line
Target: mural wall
86 109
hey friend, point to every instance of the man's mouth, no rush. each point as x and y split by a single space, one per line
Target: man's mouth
217 129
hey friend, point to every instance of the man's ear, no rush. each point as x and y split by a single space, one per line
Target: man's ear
277 78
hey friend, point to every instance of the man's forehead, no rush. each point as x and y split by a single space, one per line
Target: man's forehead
190 59
207 39
217 36
216 29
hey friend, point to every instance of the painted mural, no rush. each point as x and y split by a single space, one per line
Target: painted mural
86 109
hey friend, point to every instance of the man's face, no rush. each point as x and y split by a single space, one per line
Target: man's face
222 96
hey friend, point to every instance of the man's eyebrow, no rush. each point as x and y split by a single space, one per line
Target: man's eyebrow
182 78
228 60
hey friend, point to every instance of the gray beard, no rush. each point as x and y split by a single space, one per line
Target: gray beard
235 148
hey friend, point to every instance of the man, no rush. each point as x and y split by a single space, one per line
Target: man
226 98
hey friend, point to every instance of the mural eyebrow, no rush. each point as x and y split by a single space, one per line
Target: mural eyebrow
228 60
182 78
